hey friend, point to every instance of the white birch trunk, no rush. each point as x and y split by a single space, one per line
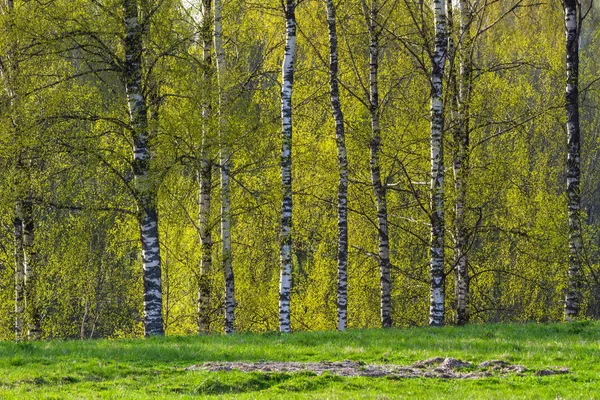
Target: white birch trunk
144 186
460 90
285 247
27 313
204 283
32 305
340 138
225 161
9 70
460 167
379 187
453 111
205 179
572 30
436 309
19 272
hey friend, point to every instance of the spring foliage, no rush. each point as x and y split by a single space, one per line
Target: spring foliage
67 120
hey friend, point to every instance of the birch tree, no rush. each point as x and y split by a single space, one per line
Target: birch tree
205 177
438 61
8 69
371 14
573 19
460 163
285 246
27 307
19 272
28 312
30 276
145 185
340 138
225 171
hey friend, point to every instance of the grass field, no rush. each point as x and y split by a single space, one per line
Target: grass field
155 368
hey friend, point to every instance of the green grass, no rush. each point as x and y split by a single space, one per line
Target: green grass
155 368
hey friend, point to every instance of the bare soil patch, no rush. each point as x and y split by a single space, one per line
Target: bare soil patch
437 367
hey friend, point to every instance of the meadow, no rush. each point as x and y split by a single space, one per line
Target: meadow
158 367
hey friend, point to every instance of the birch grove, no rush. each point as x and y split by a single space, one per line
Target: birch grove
184 110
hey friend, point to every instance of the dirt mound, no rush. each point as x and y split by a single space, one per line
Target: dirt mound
437 367
502 366
552 371
429 362
453 363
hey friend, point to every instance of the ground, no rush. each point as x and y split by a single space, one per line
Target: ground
525 361
436 367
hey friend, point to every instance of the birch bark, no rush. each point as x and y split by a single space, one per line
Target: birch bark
27 312
436 309
32 305
379 187
144 186
460 166
8 69
459 92
205 179
225 161
285 247
340 138
19 272
572 31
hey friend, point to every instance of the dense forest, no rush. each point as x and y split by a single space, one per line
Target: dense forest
205 166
